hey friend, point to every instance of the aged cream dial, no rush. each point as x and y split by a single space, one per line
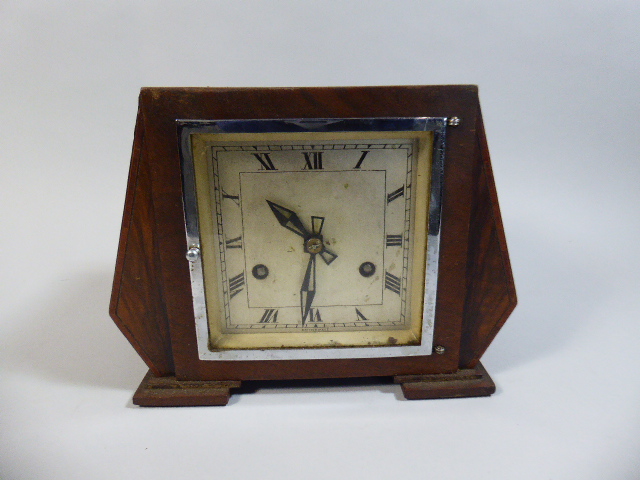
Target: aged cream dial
313 240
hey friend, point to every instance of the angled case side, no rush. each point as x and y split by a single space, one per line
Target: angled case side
137 305
491 294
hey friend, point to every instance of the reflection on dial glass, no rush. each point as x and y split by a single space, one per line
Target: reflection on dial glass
313 239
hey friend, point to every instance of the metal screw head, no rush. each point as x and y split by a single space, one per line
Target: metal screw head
439 349
454 121
193 254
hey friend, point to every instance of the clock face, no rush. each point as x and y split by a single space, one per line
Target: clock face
312 240
313 235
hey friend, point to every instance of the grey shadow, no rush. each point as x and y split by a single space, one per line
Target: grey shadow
383 385
557 289
66 335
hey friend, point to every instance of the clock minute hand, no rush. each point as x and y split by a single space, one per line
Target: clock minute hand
308 288
288 219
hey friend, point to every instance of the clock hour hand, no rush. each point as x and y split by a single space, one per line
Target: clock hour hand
288 219
308 288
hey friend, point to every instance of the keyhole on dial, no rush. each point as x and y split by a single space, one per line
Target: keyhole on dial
260 271
367 269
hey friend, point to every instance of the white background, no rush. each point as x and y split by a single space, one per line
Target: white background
559 84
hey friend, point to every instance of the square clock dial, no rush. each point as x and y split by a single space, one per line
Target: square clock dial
313 239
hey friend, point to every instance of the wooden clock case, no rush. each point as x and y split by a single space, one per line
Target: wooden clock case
151 300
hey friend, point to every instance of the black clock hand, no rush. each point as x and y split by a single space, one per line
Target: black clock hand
316 226
328 256
288 219
308 288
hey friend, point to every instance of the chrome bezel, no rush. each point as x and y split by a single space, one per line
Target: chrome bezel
437 125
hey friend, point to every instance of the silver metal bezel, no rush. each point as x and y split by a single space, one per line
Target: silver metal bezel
437 125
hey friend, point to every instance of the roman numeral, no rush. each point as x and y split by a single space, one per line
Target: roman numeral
364 154
269 315
361 317
395 194
234 242
236 285
313 160
391 282
234 198
314 316
265 161
394 240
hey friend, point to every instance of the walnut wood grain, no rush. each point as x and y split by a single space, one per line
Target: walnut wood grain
466 382
137 305
169 392
491 294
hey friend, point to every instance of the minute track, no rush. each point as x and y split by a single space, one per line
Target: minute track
314 215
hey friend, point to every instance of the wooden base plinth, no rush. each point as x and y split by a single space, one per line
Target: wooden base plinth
169 392
471 382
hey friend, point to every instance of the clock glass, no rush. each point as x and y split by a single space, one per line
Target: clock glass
307 239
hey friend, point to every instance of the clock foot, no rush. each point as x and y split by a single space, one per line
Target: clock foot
468 382
169 392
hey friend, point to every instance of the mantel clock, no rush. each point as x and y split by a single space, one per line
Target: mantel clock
308 233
